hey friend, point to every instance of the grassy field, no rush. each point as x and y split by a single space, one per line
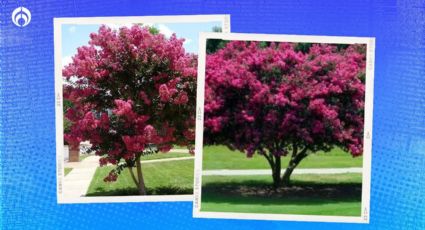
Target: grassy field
67 170
220 157
334 195
161 178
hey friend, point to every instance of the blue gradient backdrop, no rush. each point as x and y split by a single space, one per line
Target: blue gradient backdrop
27 127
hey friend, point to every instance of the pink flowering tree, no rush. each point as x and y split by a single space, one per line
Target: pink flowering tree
283 99
133 93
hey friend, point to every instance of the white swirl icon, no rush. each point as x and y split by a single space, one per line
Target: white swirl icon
21 16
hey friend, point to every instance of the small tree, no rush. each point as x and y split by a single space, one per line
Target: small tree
276 100
133 93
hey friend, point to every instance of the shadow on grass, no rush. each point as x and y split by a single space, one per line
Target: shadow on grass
166 190
303 193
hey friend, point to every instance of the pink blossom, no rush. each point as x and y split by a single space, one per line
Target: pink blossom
164 93
134 143
181 99
123 107
145 98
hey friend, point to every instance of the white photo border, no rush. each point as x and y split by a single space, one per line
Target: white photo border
60 171
367 137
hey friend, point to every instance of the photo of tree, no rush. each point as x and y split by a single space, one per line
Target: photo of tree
129 95
283 128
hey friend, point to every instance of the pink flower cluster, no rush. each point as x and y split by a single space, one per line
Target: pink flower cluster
269 98
129 89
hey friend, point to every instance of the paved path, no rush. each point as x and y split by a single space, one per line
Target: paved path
179 151
76 183
242 172
167 159
88 161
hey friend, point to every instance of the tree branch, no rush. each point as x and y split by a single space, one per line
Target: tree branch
293 163
294 152
299 156
269 159
133 176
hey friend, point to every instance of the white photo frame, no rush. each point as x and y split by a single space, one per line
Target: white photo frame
367 137
58 23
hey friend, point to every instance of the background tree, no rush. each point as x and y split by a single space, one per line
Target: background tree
214 44
66 123
130 89
281 99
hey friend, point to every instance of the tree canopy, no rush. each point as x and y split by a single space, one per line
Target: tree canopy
130 89
277 99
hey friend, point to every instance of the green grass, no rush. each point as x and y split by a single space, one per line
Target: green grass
220 157
161 178
67 170
334 195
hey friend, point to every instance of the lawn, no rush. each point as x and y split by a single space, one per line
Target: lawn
331 194
67 170
161 178
220 157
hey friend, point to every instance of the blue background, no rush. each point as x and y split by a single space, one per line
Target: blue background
27 127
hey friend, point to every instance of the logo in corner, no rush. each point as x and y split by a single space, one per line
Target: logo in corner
21 16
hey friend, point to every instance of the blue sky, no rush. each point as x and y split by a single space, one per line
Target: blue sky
74 35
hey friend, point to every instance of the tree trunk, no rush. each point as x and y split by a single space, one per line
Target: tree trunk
293 163
287 175
275 165
276 172
130 169
141 184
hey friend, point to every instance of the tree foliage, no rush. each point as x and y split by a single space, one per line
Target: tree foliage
280 99
131 89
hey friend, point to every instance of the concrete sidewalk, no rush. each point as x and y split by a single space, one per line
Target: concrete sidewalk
179 151
76 183
247 172
166 159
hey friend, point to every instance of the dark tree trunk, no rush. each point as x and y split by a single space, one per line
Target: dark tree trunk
296 158
275 165
287 175
276 172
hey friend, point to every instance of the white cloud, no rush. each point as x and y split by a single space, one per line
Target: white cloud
66 60
165 30
148 24
187 41
72 29
117 26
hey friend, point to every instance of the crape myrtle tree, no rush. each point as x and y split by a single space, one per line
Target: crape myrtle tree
133 93
283 99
